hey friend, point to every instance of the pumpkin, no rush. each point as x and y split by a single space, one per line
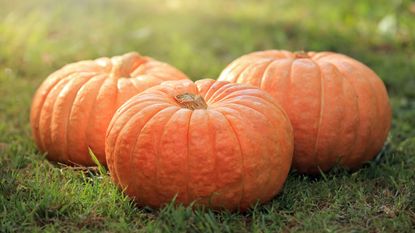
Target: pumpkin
72 108
338 107
216 144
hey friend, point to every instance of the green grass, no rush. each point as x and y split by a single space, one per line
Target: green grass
38 37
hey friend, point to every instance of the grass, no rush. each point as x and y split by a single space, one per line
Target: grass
38 37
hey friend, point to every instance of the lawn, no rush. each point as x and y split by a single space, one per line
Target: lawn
200 38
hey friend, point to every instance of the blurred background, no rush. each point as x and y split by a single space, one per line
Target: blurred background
202 37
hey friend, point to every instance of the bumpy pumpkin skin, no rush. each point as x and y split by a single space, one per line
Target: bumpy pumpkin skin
338 107
228 146
72 108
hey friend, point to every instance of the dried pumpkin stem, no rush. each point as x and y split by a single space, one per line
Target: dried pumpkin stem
116 68
191 101
301 54
121 65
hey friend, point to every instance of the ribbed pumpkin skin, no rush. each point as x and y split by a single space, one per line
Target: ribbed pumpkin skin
235 152
338 107
72 108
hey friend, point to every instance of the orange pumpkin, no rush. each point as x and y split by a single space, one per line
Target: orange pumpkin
219 144
338 107
72 108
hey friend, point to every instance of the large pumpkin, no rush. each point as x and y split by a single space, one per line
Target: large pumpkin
72 108
338 107
219 144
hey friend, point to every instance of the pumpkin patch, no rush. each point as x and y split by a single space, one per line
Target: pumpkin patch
223 144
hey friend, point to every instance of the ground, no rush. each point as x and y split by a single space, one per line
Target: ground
200 38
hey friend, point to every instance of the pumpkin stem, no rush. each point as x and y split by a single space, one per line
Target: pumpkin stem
191 101
301 54
122 65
